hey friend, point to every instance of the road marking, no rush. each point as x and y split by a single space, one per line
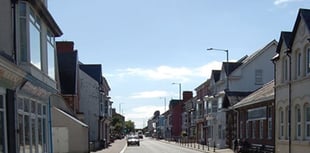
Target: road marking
123 150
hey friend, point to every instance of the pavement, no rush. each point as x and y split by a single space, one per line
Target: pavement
119 146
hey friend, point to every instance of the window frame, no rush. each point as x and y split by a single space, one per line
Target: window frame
46 39
307 67
281 124
31 132
298 64
3 110
307 121
298 122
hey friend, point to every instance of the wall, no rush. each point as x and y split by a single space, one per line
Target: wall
65 129
89 103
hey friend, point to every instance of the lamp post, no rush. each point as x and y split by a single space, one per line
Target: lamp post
164 101
119 108
180 86
227 67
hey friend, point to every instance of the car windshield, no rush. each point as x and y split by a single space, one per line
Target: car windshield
133 137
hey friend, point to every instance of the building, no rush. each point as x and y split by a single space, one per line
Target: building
292 69
95 103
241 77
28 76
255 117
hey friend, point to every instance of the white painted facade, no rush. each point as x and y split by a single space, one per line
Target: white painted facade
89 103
254 71
298 94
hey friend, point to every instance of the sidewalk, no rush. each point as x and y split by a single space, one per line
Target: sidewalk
117 146
199 147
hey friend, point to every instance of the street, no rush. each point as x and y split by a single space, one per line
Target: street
148 145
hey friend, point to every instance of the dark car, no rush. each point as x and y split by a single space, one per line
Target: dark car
133 140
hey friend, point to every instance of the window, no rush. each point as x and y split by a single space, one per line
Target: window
2 123
32 125
261 129
298 65
241 129
35 39
288 124
270 128
298 122
285 69
281 131
308 61
307 122
51 55
247 130
36 42
258 77
253 129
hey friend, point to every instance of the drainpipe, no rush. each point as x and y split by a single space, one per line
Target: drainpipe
13 5
289 101
50 123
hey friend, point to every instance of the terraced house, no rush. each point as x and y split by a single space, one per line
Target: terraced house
27 75
292 81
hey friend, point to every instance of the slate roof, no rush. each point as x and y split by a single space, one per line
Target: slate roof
285 37
216 75
302 14
231 66
67 65
93 70
265 93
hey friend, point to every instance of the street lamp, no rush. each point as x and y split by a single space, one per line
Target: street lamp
164 101
227 67
119 108
180 86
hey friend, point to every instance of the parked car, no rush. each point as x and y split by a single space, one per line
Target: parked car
133 140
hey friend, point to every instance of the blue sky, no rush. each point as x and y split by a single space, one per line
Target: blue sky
145 45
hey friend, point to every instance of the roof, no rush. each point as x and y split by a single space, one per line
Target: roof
71 117
67 65
231 66
302 14
93 70
236 96
265 93
216 75
285 38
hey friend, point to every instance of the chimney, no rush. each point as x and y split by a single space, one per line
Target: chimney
64 46
187 95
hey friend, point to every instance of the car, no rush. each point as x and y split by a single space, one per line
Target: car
133 140
140 134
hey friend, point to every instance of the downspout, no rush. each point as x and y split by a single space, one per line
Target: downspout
289 101
14 2
274 97
50 123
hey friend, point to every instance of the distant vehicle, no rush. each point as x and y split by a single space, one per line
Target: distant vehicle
133 140
140 134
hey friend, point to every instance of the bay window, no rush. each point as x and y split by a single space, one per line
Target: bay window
3 142
36 42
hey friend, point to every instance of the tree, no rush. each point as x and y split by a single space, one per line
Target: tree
117 126
130 126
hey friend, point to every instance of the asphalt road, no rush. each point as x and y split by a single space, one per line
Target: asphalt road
148 145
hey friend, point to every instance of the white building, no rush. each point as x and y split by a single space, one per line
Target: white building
244 76
292 82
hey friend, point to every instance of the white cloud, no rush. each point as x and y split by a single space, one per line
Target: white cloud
173 73
150 94
140 115
283 2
